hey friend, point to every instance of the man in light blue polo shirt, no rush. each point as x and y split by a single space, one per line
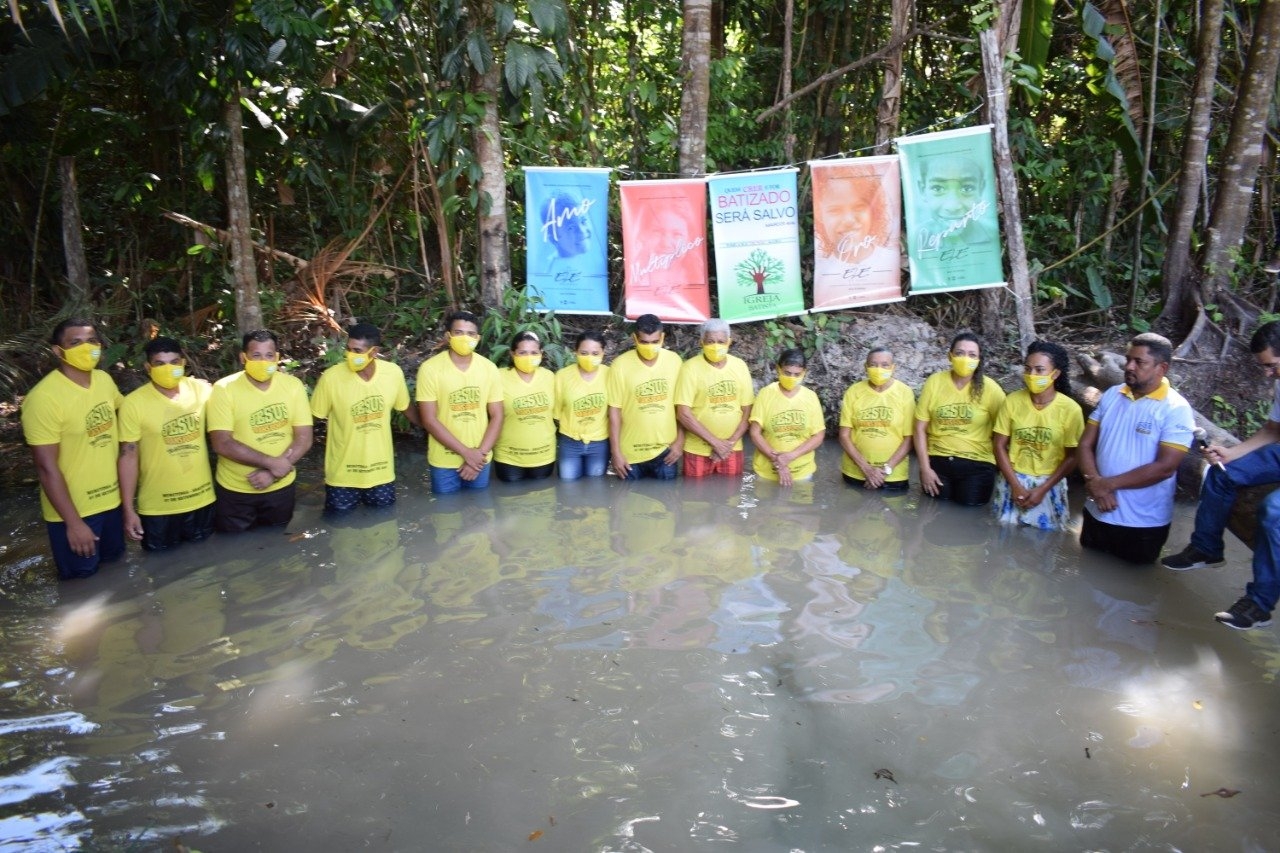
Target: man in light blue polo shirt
1129 455
1253 462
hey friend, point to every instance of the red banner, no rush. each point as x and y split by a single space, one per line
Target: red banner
857 235
664 249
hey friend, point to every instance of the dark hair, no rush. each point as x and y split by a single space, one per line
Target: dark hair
465 316
366 332
588 336
525 336
792 358
647 324
1059 359
259 335
875 350
1158 345
159 345
55 337
1267 337
979 379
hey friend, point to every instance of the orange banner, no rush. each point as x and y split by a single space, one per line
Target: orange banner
857 232
664 249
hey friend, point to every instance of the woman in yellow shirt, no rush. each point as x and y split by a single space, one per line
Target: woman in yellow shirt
1035 439
786 424
582 401
876 422
526 448
954 416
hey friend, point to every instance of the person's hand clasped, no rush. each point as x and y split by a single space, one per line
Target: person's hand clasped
132 525
261 478
1104 497
81 540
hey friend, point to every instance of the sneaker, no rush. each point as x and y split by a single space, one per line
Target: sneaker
1189 558
1243 615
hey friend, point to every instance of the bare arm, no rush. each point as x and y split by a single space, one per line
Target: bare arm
1268 434
472 458
81 539
929 481
720 448
620 466
871 475
127 471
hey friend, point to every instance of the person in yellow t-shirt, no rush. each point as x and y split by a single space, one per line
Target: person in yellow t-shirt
714 394
787 425
876 424
357 398
526 448
954 416
164 457
582 404
1035 439
644 437
460 403
259 424
69 419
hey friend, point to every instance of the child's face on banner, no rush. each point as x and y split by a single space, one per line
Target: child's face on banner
952 186
668 234
849 212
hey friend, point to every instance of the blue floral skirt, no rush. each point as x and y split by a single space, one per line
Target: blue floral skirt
1050 514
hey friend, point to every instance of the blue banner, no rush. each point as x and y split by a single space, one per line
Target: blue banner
566 234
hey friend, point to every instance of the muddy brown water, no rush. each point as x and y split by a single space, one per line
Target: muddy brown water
599 666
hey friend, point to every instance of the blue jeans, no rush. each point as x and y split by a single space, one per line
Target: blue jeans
446 481
575 458
654 468
1217 496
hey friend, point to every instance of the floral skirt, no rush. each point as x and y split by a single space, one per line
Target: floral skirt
1050 514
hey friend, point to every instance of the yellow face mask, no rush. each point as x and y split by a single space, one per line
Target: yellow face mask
879 375
963 365
167 376
788 383
649 351
715 353
462 344
526 363
358 361
589 363
1036 383
83 356
260 371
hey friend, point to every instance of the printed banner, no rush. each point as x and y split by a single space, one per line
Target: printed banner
949 191
566 232
664 249
757 233
857 236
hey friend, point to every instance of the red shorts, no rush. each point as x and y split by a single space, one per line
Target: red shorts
704 466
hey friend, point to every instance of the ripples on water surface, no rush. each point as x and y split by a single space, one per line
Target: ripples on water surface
612 667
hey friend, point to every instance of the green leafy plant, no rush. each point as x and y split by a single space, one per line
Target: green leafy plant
521 312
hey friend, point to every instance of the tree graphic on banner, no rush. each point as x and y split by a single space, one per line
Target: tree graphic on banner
757 268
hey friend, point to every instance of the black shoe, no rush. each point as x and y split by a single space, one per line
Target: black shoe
1243 615
1189 558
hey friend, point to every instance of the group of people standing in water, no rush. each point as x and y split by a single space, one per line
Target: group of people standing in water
138 466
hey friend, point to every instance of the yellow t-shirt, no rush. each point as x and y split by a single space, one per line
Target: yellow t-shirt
528 437
877 422
787 423
957 425
82 422
646 397
583 407
461 398
261 420
716 397
1038 438
174 474
358 452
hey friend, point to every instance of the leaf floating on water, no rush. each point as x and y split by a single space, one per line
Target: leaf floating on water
1198 705
886 774
271 805
535 835
551 819
1222 792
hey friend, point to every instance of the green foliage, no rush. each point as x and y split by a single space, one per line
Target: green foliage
809 333
1239 421
758 269
522 312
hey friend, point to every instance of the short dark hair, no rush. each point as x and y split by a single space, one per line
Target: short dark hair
588 335
465 316
1060 360
647 324
525 336
159 345
55 337
366 332
1266 337
259 336
877 349
792 358
1158 345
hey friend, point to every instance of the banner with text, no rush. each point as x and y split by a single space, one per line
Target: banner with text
857 236
757 231
949 191
566 233
664 249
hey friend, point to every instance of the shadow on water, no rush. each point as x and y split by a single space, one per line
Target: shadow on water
610 666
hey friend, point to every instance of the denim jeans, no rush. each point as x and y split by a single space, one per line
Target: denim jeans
1217 496
445 481
575 458
654 468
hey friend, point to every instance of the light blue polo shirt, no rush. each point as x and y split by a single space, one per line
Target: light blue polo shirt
1130 433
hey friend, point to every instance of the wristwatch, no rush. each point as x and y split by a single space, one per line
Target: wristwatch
888 469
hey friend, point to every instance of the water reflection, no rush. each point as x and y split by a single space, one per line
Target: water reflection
631 666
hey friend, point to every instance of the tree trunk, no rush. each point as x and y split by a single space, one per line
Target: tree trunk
993 70
1178 292
889 111
73 234
243 271
1233 201
696 92
495 254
